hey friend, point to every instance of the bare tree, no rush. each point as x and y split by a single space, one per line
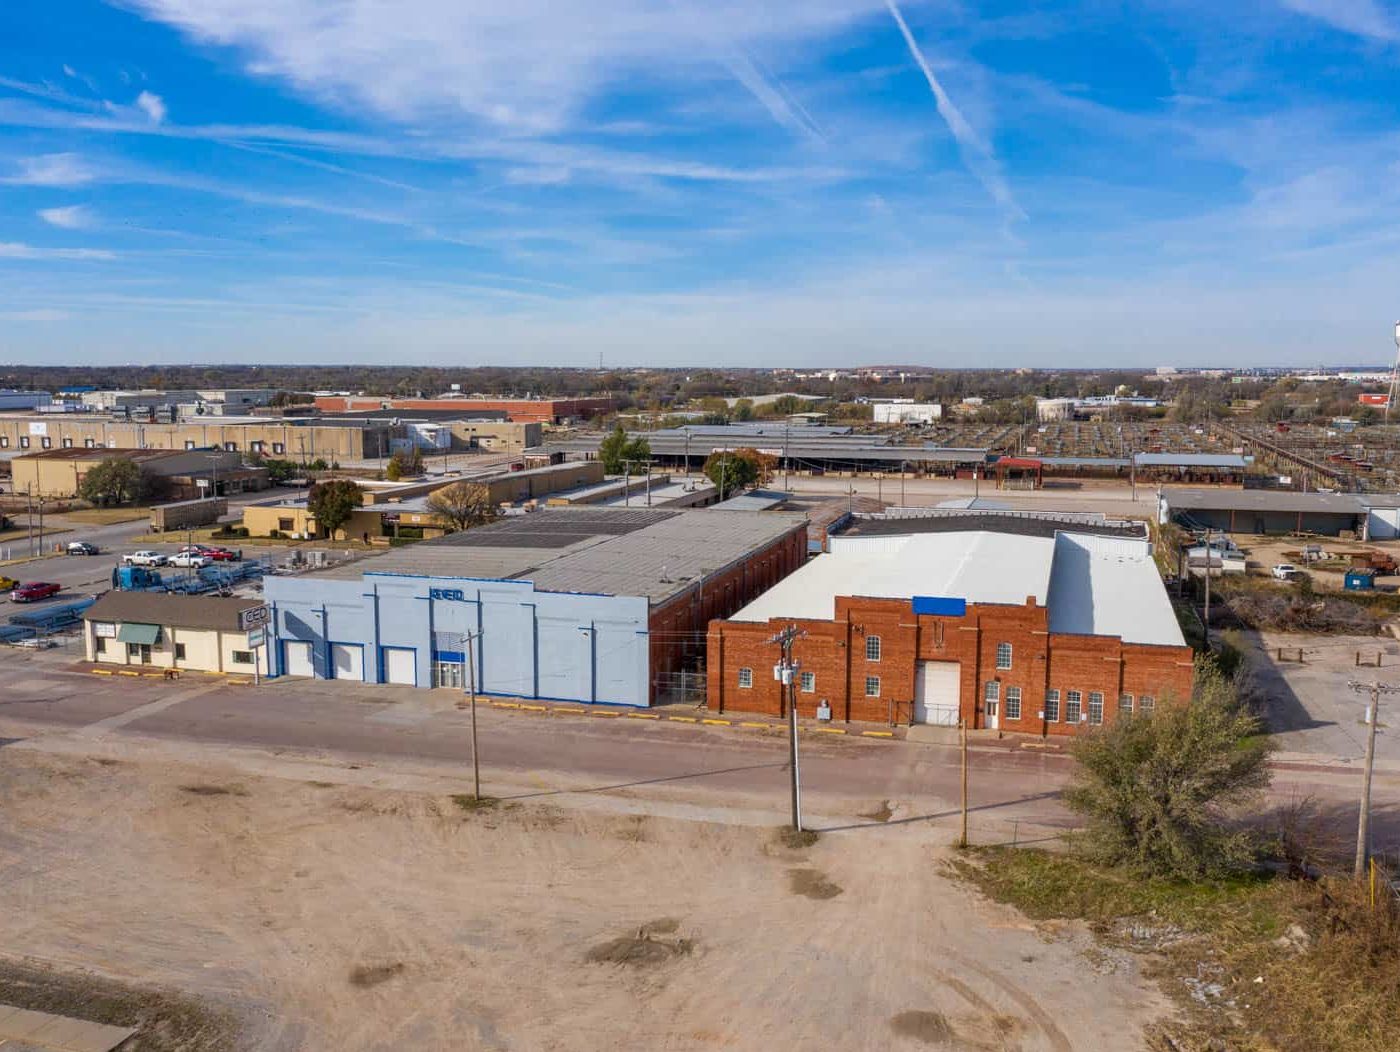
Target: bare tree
462 504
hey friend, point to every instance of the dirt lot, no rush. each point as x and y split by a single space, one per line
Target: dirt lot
326 916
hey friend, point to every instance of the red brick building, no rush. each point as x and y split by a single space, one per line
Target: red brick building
1019 622
528 410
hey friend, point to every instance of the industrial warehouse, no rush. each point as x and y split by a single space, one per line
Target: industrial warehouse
605 605
1035 622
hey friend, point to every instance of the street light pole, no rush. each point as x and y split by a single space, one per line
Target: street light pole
469 645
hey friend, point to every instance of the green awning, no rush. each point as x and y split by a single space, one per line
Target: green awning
134 632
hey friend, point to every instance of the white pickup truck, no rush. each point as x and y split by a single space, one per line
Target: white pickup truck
145 558
1285 571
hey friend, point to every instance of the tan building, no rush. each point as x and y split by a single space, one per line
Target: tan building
302 441
200 633
386 512
58 473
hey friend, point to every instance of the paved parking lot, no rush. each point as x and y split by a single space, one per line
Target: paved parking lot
1312 708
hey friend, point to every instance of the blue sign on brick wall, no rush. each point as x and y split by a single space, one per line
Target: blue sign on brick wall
942 606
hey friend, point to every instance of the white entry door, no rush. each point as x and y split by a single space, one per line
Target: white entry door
937 693
348 660
401 666
297 659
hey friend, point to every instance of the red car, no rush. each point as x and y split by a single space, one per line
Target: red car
34 591
213 553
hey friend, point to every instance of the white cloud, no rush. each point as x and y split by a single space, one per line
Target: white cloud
976 153
1365 18
524 64
51 169
69 217
152 105
19 250
34 315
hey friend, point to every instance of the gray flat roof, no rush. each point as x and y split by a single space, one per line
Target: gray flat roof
649 552
1263 500
754 500
1191 460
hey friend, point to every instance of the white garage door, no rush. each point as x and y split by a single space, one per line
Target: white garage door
937 693
298 659
348 660
401 666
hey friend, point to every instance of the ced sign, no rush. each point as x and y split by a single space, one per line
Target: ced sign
253 617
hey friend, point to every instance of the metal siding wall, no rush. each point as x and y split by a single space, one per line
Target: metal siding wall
516 624
507 647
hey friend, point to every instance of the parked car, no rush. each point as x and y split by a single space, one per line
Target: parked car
82 548
8 584
145 558
213 551
1285 571
34 591
191 559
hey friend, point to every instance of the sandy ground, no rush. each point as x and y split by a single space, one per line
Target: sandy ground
334 916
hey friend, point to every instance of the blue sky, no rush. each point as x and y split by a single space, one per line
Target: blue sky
734 182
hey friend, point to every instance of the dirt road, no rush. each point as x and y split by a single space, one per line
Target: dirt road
342 917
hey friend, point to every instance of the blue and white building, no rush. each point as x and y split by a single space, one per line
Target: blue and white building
593 605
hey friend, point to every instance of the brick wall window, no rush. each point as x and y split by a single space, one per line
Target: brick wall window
46 442
872 648
179 651
1095 707
88 443
1013 703
1125 704
746 677
189 443
1003 655
67 443
809 683
1073 700
23 441
278 447
4 441
1146 703
872 686
1052 706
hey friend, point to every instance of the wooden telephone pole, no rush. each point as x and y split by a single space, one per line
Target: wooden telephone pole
1363 820
785 672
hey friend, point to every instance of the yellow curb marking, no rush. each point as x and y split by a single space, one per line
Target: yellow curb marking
718 723
572 712
535 708
828 730
760 726
683 719
878 734
643 716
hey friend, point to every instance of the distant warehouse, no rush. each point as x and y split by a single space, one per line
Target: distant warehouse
574 604
1019 621
1368 516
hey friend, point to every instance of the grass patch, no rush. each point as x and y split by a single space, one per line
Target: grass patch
106 516
1255 963
797 839
468 803
367 975
644 948
205 789
812 884
165 1021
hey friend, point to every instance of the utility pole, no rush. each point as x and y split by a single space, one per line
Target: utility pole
787 456
962 735
1363 821
1209 553
469 645
647 465
41 525
29 514
785 672
626 483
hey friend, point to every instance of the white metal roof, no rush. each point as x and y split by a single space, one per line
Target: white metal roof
1091 585
1109 586
979 566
